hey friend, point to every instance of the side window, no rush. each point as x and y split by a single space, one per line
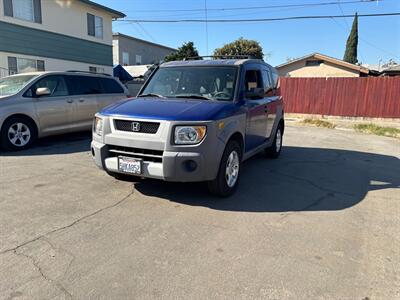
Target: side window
275 78
268 86
56 84
111 86
253 80
84 85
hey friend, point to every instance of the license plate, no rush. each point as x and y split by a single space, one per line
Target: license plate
129 165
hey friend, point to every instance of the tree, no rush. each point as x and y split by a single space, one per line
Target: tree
350 54
241 47
185 51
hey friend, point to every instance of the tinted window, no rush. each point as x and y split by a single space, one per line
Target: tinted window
84 85
56 85
268 86
253 80
275 79
111 86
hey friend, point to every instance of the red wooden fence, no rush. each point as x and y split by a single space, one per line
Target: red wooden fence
376 97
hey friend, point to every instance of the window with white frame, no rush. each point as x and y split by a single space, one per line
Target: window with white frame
138 59
95 26
96 69
23 9
125 58
22 65
29 10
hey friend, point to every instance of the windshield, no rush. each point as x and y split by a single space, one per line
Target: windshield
13 84
209 83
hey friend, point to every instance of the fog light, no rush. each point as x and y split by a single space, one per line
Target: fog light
189 165
93 153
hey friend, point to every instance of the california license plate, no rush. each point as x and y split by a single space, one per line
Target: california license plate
130 165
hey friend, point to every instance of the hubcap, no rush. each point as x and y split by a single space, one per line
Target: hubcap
19 134
232 169
278 140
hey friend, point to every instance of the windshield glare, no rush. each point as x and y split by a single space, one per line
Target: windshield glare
214 83
13 84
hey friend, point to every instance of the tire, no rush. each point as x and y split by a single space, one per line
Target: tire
18 133
225 183
275 149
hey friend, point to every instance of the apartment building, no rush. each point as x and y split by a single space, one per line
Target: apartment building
55 35
129 50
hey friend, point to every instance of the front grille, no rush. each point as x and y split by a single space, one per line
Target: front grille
135 126
145 154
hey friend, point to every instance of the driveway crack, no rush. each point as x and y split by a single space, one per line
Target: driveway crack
69 225
43 275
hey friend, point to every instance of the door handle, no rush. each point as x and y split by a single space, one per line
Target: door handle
81 100
70 100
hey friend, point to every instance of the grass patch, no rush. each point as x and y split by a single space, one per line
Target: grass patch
378 130
319 123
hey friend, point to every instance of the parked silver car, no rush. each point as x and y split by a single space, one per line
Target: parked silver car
40 104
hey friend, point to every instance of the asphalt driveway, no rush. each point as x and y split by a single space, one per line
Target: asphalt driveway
321 222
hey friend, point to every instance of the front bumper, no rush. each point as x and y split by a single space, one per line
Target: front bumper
169 166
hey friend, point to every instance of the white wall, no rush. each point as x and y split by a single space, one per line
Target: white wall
53 64
115 51
67 17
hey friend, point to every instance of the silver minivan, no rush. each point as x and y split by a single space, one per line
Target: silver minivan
34 105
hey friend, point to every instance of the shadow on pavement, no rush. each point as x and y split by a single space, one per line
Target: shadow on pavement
302 179
60 144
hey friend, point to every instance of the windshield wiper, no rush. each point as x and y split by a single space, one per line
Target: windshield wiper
152 95
193 96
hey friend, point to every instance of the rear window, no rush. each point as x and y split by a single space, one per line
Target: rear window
84 85
111 86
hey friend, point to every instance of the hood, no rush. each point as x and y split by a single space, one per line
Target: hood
170 109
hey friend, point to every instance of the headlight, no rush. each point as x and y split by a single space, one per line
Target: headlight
98 126
189 135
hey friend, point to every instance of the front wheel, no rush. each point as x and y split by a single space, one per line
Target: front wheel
18 133
227 178
275 149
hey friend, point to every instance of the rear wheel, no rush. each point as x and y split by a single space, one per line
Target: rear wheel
275 149
227 178
18 133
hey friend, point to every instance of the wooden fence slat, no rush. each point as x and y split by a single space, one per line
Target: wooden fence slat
375 97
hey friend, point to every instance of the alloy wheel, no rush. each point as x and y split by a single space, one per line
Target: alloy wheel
19 134
232 169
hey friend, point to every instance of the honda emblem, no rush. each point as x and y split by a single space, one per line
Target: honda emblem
135 126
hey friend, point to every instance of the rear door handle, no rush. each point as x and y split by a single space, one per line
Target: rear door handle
81 100
70 100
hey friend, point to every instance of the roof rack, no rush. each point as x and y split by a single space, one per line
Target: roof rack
220 57
87 72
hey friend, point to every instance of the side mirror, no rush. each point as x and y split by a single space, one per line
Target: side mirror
43 91
255 93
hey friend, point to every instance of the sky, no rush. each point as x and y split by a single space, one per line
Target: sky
379 37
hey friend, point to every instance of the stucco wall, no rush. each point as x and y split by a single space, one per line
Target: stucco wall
325 69
115 51
54 64
66 17
149 52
